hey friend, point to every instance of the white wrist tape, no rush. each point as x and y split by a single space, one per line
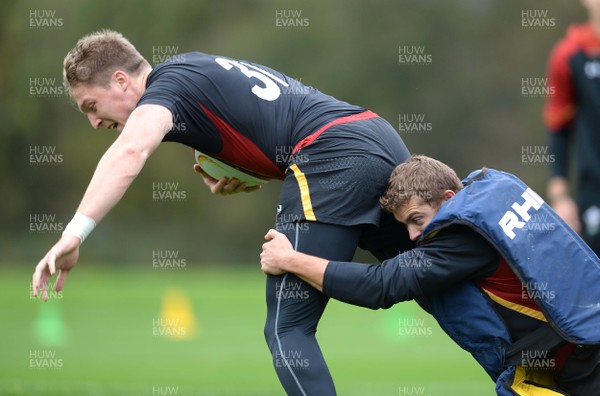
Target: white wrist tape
81 226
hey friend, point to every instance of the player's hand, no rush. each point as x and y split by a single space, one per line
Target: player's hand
567 209
224 186
62 257
276 253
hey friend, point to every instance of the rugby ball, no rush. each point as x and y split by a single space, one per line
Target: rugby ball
218 170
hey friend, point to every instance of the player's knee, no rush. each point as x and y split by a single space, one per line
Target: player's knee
269 332
276 336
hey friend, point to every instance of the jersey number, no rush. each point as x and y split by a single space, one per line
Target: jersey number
270 91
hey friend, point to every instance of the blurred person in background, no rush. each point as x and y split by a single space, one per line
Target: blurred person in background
572 118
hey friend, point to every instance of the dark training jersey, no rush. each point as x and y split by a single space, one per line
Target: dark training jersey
245 114
574 106
456 254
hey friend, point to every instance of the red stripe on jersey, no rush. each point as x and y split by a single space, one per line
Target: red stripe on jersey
240 151
505 284
342 120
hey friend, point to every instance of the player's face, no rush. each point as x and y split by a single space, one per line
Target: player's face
417 214
106 107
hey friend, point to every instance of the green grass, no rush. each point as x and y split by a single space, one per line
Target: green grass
100 330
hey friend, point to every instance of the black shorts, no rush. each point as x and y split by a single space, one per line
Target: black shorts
339 177
580 375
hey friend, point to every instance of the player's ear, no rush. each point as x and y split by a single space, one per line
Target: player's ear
447 195
121 78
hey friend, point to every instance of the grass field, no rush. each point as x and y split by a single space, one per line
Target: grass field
99 337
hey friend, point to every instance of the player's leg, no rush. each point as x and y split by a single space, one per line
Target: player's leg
337 179
294 309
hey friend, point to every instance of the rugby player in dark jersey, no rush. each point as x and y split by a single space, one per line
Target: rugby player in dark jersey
333 158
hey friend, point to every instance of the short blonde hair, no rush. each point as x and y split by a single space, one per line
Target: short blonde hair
422 177
97 56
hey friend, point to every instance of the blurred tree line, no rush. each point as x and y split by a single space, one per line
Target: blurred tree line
466 95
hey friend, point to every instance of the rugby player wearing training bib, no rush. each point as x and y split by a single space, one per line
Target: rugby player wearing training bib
334 159
504 276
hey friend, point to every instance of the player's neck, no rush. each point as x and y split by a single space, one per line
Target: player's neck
140 83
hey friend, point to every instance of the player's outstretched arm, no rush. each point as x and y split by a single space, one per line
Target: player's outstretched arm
278 257
119 166
62 256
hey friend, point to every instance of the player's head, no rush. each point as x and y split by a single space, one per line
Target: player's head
417 189
100 73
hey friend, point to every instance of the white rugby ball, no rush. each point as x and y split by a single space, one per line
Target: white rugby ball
218 170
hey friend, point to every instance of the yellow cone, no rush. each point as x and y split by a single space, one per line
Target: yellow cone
177 320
